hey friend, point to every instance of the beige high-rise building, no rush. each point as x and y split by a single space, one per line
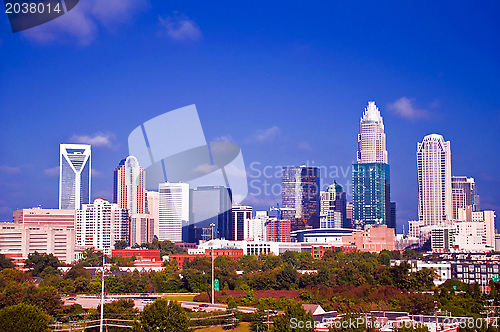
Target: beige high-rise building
371 138
434 180
50 231
152 210
129 183
141 229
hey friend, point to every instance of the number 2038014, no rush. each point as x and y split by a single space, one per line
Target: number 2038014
32 8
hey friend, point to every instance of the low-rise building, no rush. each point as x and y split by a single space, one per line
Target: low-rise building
141 255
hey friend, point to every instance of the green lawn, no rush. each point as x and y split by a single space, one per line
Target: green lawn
243 327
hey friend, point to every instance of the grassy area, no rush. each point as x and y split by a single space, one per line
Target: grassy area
243 327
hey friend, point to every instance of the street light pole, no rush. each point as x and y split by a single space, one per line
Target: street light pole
102 293
213 292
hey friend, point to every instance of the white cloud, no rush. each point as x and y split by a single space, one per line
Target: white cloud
233 172
9 170
404 107
99 140
52 172
267 134
82 23
180 27
203 169
224 138
304 146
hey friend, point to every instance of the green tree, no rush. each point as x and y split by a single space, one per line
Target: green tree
5 263
77 271
24 317
119 245
42 264
162 316
91 258
295 318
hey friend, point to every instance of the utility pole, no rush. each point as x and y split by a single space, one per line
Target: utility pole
212 225
102 292
268 322
436 313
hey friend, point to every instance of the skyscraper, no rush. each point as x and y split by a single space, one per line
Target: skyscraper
334 200
434 180
300 196
211 204
74 176
173 210
128 186
101 224
463 194
239 213
371 173
371 138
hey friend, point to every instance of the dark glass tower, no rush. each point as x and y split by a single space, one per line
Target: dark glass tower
301 196
210 204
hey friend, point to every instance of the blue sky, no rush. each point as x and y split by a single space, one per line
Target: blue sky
287 81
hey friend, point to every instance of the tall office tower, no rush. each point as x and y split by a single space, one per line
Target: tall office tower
128 186
74 176
210 204
392 220
173 210
463 194
301 196
239 214
334 199
101 224
348 215
255 229
152 208
434 180
278 231
371 138
141 228
371 174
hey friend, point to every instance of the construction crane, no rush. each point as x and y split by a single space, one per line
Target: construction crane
278 222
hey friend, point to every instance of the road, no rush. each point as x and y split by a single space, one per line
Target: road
92 301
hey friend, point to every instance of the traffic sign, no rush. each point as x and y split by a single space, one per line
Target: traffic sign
495 277
216 284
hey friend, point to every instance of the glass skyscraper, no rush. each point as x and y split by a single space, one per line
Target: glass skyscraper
211 204
301 196
74 176
372 194
371 173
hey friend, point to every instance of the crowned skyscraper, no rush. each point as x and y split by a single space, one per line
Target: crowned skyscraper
434 180
74 176
371 174
128 187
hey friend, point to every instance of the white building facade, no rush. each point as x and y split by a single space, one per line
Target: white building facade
74 176
371 138
101 224
434 180
173 210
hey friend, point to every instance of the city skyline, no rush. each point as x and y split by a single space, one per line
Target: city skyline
286 84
